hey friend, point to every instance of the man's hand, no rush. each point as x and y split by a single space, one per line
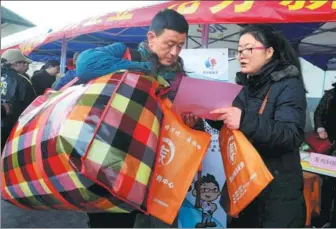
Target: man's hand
190 119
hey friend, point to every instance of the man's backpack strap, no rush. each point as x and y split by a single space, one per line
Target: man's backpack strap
132 55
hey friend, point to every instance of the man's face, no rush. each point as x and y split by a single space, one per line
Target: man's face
209 192
167 46
21 66
54 70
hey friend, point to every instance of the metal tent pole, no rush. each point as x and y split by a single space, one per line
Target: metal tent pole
205 36
63 55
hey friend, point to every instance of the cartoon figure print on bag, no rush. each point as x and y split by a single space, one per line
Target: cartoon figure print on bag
209 192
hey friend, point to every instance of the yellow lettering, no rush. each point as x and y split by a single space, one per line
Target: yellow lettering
243 7
240 8
315 4
220 6
334 5
188 7
285 3
26 48
172 6
296 6
121 16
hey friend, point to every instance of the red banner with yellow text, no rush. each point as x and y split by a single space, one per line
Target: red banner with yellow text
201 12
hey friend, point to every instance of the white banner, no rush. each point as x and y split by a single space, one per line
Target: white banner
206 211
212 64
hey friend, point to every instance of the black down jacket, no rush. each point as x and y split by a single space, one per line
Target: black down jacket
324 115
17 90
277 135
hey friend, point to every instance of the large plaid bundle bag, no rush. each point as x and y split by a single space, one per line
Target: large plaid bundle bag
87 148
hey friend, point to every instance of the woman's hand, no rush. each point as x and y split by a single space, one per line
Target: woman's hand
323 134
190 119
230 116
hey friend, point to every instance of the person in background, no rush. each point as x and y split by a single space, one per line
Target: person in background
45 78
157 56
324 123
270 66
17 91
325 126
41 69
69 75
24 72
5 111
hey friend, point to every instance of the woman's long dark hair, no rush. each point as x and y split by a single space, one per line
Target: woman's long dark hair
283 50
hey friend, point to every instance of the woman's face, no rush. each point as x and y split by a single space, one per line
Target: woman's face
252 55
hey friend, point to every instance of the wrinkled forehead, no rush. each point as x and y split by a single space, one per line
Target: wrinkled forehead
171 35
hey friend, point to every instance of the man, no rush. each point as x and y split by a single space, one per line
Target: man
16 90
325 125
45 78
158 55
69 75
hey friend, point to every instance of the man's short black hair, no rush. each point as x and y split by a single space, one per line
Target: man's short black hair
169 19
52 63
207 179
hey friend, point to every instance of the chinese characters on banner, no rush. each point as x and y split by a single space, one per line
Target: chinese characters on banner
191 7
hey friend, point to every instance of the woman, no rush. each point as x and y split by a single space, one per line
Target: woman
269 64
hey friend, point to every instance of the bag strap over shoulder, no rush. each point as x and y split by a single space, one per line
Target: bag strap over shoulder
263 105
132 55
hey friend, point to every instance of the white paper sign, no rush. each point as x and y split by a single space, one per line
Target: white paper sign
212 64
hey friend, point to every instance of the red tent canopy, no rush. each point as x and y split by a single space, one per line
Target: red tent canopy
200 12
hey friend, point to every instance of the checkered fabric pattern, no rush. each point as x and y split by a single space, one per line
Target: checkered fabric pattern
88 148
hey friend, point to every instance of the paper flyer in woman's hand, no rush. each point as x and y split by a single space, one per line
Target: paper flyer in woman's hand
200 96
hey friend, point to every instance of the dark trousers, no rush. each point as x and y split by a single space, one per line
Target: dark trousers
5 131
328 195
333 217
112 220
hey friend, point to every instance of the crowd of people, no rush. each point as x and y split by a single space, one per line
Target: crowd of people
269 67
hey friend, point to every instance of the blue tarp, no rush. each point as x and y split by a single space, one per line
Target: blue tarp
317 53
